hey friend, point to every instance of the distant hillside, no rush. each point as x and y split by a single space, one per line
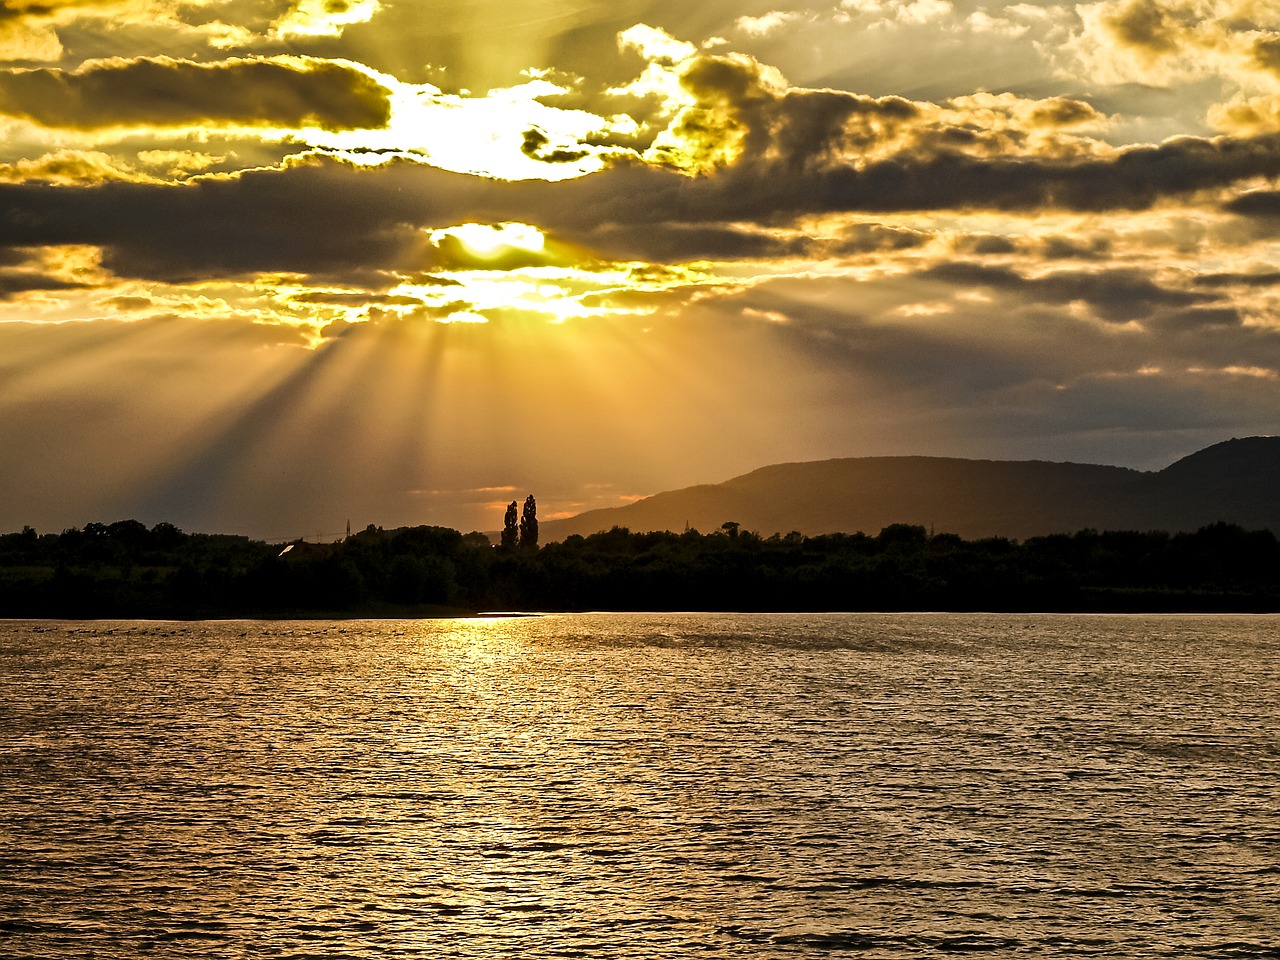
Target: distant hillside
1236 481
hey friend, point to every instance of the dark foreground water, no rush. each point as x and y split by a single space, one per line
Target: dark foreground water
642 786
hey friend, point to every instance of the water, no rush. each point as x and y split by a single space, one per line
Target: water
642 786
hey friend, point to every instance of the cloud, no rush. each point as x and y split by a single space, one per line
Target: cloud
1256 203
27 27
728 109
328 219
710 130
51 30
986 245
1246 116
1090 246
1164 42
768 158
674 241
1069 248
306 220
862 238
897 12
1021 358
1116 296
1201 318
790 182
159 91
1268 278
769 23
536 144
324 18
655 44
750 149
25 40
361 299
15 282
128 304
70 167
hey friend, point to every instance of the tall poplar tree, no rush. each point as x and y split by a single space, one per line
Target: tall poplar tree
510 532
529 524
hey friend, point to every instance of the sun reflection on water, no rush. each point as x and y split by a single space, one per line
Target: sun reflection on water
639 786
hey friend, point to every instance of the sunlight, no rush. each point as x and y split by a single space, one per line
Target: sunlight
463 316
554 294
490 240
486 136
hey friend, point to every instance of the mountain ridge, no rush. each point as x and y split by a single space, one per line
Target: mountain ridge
1234 481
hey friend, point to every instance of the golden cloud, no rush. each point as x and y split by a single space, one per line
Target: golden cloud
1161 42
27 27
324 18
71 166
727 109
1247 116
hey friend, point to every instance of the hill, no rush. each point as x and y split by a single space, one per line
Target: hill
1234 482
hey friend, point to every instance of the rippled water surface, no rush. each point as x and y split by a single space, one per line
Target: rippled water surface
642 786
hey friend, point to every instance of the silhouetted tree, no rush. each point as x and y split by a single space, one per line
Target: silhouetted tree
510 531
123 570
529 524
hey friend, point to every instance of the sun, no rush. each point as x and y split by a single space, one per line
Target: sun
492 240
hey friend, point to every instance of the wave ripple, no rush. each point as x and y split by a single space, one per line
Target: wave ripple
642 786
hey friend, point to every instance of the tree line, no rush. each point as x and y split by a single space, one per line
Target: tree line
126 569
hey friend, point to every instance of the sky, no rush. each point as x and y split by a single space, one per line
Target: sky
267 266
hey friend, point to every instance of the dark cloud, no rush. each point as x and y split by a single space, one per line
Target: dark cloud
340 328
535 146
36 9
1063 112
1143 25
429 280
772 186
322 220
1047 248
14 282
129 303
877 238
1256 203
985 245
1066 248
1270 278
1266 54
1134 180
1200 318
354 299
682 242
164 92
1114 295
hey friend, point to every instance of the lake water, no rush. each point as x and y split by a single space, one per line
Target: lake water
650 786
